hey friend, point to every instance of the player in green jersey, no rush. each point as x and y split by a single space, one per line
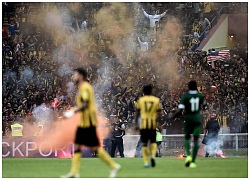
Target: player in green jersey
191 103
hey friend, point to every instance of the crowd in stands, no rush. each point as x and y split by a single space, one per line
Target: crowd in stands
31 79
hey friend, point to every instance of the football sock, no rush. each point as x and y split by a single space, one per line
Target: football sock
76 162
145 154
103 155
153 148
187 147
195 151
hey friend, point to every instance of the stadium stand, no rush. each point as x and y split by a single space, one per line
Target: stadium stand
31 79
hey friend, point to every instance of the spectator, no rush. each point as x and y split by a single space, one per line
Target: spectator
211 135
117 140
205 25
84 25
23 90
144 45
208 9
153 18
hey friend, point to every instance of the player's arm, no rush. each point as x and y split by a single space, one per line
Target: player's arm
82 107
176 113
85 99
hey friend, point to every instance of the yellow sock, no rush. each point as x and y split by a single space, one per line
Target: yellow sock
153 147
76 162
103 155
145 154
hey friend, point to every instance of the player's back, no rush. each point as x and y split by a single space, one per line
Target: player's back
148 105
89 117
193 102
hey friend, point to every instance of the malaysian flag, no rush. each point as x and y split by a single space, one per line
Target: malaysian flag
221 55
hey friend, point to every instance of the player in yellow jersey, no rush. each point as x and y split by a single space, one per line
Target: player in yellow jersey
86 131
149 109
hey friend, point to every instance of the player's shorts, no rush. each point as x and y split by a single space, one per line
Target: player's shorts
192 128
87 137
148 135
192 125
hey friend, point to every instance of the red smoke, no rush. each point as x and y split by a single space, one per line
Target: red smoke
61 133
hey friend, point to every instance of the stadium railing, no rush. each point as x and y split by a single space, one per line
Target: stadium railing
236 142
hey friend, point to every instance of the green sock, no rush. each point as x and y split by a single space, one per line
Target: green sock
195 151
187 147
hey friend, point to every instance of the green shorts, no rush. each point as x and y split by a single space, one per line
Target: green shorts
192 126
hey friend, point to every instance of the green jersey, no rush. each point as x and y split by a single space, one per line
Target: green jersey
192 102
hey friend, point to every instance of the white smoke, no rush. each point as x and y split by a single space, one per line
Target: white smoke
7 75
43 114
70 87
65 70
27 73
10 73
214 146
104 80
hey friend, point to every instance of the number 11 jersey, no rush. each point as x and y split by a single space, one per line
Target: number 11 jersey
192 102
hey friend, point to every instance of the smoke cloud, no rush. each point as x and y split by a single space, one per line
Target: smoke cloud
27 73
43 114
117 23
74 47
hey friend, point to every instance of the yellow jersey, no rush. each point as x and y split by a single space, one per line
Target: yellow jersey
88 115
148 105
208 7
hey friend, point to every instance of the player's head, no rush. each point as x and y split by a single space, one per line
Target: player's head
147 89
192 85
80 74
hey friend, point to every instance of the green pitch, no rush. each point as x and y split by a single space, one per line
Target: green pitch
131 167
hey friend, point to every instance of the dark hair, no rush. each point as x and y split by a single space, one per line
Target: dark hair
147 89
192 85
81 71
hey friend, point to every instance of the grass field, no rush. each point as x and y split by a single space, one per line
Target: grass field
131 167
